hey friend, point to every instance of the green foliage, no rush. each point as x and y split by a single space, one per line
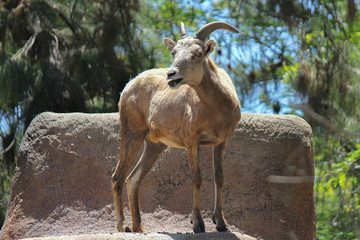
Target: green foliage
5 186
165 22
62 56
313 49
337 191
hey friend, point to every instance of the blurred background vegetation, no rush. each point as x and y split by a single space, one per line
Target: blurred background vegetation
292 57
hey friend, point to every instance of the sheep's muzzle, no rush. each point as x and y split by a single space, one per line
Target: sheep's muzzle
175 82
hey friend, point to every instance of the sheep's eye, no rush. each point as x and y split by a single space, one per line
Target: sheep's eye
198 54
173 53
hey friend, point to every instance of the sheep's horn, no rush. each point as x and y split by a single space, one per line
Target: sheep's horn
206 30
182 30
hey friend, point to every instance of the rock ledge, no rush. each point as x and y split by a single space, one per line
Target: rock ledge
152 236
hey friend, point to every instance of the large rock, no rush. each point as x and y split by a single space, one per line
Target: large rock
150 236
62 182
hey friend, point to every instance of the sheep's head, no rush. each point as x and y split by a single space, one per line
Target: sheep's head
189 53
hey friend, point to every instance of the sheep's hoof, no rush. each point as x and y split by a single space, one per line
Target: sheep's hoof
123 228
200 228
143 229
140 228
222 228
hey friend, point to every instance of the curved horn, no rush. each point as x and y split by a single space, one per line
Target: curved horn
206 30
182 30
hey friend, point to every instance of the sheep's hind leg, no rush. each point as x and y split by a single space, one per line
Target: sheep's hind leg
218 216
149 156
130 144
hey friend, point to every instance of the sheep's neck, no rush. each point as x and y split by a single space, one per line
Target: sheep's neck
214 94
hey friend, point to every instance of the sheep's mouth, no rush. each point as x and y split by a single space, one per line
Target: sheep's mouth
175 82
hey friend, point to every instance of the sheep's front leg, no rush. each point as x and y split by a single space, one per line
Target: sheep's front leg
218 216
193 158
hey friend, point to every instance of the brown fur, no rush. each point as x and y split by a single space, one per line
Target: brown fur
203 109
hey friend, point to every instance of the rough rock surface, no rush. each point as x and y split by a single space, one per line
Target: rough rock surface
152 236
62 181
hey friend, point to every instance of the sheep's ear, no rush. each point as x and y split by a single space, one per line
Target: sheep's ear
169 43
208 47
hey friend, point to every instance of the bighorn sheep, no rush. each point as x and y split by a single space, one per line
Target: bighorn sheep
192 103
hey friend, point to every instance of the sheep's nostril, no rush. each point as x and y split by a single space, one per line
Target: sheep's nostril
170 73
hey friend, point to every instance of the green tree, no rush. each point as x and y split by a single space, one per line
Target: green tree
62 56
311 50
